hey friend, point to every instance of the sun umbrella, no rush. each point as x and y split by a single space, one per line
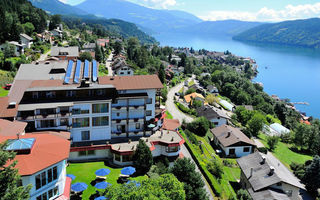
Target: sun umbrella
103 172
100 198
71 176
102 185
128 170
135 182
79 187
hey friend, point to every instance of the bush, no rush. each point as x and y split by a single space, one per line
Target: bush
215 168
185 109
191 137
263 150
243 195
199 126
272 141
227 163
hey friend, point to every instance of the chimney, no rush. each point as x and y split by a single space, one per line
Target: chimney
271 171
251 172
84 83
229 133
12 105
263 160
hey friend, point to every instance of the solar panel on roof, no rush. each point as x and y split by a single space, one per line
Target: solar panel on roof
94 71
77 72
20 144
86 69
68 74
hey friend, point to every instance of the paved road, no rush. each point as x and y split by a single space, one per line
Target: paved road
43 57
171 107
187 154
108 65
177 114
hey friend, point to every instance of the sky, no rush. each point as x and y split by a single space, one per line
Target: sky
247 10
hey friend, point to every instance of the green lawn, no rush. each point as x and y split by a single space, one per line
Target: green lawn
191 83
103 71
3 92
85 172
284 154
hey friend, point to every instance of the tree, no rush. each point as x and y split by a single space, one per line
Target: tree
164 187
215 168
164 93
255 124
98 53
117 47
85 56
142 158
162 74
9 177
9 50
199 126
54 22
272 142
312 175
28 28
211 99
184 170
243 195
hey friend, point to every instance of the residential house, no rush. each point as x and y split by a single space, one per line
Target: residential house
26 40
103 42
264 177
217 116
41 162
212 89
19 48
57 33
89 47
65 53
232 141
227 105
193 96
121 68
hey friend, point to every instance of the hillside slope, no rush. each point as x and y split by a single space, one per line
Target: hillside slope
304 33
57 7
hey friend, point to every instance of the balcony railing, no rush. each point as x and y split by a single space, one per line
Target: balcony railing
45 116
22 118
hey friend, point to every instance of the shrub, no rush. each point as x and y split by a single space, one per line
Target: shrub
199 126
191 137
272 141
243 195
215 168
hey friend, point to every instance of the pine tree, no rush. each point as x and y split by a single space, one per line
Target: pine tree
162 74
142 158
9 178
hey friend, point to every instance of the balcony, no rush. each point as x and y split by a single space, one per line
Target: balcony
46 116
119 108
136 107
64 114
137 120
25 118
119 120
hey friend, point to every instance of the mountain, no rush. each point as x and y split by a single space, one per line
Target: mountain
114 26
184 15
304 33
223 27
156 20
57 7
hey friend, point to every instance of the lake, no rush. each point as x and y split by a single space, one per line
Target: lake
288 72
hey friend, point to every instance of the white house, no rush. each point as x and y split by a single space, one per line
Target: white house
19 48
57 33
47 175
121 68
26 40
217 116
232 141
264 177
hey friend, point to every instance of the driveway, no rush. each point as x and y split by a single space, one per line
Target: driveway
43 57
108 65
171 107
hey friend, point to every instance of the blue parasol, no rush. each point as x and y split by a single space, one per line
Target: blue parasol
102 185
79 187
103 172
128 170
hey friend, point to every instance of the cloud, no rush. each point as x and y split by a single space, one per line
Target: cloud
290 12
160 4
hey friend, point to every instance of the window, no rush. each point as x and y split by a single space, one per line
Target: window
85 135
126 158
232 151
46 177
137 125
148 112
117 157
149 101
118 114
38 181
129 72
100 92
50 94
71 93
246 149
80 122
55 173
100 121
35 95
100 108
172 149
216 123
49 176
50 193
87 153
43 179
64 122
121 73
44 196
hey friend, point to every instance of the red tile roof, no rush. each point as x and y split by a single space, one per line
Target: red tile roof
46 83
132 82
66 192
9 128
46 151
62 134
17 90
6 112
170 124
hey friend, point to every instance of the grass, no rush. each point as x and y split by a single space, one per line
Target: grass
103 71
3 92
168 115
284 154
204 153
6 77
85 172
191 83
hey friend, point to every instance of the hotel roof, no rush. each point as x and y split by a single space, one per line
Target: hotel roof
47 150
132 82
9 128
71 51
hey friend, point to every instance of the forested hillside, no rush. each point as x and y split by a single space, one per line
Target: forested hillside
304 33
57 7
20 16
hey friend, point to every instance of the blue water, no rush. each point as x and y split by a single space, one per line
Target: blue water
292 73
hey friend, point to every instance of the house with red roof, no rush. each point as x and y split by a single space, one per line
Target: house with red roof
41 162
